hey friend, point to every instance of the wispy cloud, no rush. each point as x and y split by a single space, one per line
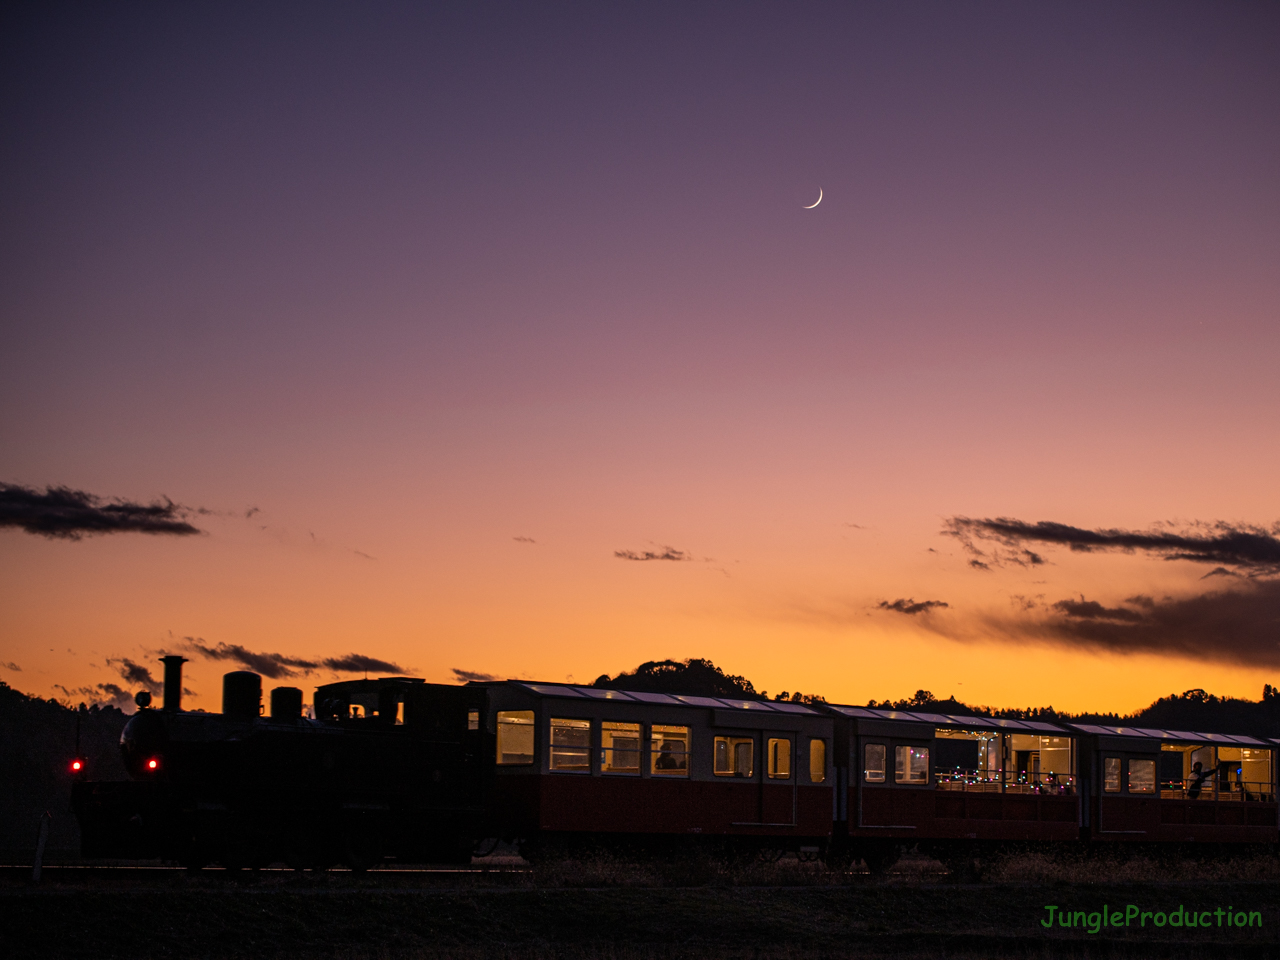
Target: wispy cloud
13 666
466 676
524 540
1241 547
66 514
662 553
911 607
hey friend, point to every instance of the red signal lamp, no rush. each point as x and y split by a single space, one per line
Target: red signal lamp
153 764
77 766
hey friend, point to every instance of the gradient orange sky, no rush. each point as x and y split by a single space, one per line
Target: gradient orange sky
458 304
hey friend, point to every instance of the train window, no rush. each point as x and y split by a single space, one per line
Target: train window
473 719
911 764
779 758
1111 775
515 736
619 747
735 756
873 768
669 750
1255 774
571 745
1142 776
817 761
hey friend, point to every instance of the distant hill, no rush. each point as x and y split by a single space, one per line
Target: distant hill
37 745
1192 710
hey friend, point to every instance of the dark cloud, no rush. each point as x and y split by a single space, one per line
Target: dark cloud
1083 609
13 666
910 607
667 553
468 675
61 512
278 666
135 674
358 663
1236 626
524 540
1220 572
1252 549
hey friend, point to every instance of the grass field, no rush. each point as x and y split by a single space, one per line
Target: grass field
618 911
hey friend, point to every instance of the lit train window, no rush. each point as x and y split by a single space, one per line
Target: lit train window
873 766
817 761
515 736
911 764
571 746
1142 776
1111 775
669 751
735 756
619 747
473 719
779 759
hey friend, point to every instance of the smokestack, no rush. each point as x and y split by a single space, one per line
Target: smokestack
173 681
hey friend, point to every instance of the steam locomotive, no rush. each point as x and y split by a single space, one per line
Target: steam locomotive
396 768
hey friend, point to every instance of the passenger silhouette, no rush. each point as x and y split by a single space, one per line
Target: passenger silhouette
666 758
1198 777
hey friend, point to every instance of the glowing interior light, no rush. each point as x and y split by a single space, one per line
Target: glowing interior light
151 764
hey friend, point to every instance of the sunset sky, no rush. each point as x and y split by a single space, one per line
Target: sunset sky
497 339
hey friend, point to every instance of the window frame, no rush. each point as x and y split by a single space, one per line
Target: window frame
661 730
608 753
910 749
733 743
772 758
868 771
1128 780
518 721
572 723
1107 779
821 754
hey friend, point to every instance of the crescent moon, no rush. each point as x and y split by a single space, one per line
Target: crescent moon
816 202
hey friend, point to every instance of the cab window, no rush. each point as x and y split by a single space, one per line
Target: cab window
873 763
571 745
779 758
734 756
515 736
817 761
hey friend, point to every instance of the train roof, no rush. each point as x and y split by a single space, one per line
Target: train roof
1040 726
573 692
945 720
1184 736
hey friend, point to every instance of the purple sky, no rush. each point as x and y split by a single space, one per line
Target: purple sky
424 272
